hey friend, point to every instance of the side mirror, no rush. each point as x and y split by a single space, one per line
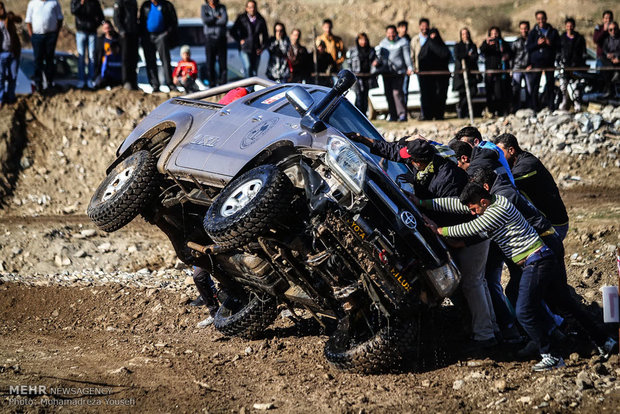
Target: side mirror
346 79
301 100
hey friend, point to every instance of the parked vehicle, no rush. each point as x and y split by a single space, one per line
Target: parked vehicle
66 71
270 197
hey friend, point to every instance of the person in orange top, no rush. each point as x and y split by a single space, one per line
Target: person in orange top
186 72
333 43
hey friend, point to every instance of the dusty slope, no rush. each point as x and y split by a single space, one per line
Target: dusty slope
353 16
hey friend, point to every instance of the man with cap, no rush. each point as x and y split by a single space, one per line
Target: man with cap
434 175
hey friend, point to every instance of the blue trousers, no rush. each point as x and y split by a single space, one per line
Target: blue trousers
250 63
8 77
86 44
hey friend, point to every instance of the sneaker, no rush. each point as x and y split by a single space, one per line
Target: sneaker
205 323
548 362
80 85
608 348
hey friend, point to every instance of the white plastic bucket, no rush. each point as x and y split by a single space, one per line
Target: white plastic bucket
611 307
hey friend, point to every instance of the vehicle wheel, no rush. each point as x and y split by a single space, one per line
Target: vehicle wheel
246 317
372 114
126 192
365 351
251 205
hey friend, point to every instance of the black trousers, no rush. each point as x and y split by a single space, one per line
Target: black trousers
206 288
157 43
498 90
216 50
129 55
362 86
538 102
393 88
43 47
427 87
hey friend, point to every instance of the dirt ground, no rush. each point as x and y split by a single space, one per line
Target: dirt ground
108 313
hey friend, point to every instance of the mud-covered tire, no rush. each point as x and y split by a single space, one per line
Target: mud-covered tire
246 317
387 350
126 192
269 206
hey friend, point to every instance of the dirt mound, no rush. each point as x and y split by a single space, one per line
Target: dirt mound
64 144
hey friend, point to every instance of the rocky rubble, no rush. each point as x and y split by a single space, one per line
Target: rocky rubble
576 147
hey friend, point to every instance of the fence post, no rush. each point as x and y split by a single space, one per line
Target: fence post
470 107
315 57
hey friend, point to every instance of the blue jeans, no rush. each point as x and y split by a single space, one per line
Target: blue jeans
43 47
8 77
86 41
250 63
537 278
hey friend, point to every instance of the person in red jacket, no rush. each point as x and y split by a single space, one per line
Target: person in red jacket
186 72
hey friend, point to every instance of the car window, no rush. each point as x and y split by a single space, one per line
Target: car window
191 35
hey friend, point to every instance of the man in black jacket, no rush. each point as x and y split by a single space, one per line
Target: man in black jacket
250 30
214 17
126 21
543 43
158 28
437 177
572 54
88 17
535 182
520 60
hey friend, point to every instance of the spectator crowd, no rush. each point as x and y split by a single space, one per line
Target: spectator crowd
512 76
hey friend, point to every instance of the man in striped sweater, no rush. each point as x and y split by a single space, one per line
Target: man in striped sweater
500 221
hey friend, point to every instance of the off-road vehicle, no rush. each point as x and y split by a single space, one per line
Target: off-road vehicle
269 195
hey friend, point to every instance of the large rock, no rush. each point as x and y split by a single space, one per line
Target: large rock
525 113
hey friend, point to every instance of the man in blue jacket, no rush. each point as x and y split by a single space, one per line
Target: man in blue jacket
158 27
543 43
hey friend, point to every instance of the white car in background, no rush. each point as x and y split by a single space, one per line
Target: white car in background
377 104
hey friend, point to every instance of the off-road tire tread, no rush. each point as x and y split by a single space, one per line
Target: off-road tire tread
138 194
385 352
261 214
251 320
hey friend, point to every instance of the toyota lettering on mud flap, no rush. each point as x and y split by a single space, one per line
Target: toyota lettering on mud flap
270 197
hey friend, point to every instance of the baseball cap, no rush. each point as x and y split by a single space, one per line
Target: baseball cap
418 149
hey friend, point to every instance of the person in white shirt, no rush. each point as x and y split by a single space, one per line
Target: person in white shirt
44 20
